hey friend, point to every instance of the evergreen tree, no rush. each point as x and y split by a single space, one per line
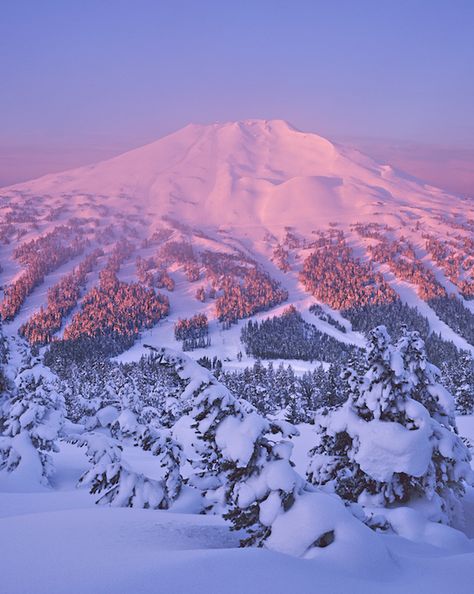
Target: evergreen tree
117 483
242 462
463 384
32 421
170 457
424 379
383 447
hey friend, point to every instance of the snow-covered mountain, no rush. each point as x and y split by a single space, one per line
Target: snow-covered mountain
249 175
258 192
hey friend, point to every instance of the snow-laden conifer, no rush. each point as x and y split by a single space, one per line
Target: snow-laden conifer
118 484
394 441
32 420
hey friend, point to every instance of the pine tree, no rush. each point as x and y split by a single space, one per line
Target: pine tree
117 483
463 384
263 486
32 422
383 447
294 412
170 457
242 466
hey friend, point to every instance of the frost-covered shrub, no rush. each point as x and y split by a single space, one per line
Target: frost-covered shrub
32 421
394 440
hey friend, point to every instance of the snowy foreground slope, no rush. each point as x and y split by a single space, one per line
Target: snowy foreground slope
56 541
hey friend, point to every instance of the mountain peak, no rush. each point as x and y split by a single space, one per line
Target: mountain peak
248 173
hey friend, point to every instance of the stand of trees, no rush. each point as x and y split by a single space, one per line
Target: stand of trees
39 257
115 308
335 277
289 337
193 332
62 298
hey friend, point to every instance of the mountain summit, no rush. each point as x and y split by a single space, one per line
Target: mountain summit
251 173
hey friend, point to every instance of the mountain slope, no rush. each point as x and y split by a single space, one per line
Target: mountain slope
226 219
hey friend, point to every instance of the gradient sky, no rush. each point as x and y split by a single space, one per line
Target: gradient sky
85 79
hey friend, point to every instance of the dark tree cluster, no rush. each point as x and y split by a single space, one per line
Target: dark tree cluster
281 258
292 240
371 230
458 378
214 364
401 258
62 298
289 337
201 294
158 236
39 257
57 212
220 264
121 251
335 277
453 221
24 212
149 276
453 312
318 311
182 253
153 271
456 262
394 315
193 332
117 308
145 387
84 351
7 231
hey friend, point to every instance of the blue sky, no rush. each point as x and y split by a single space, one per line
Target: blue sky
83 78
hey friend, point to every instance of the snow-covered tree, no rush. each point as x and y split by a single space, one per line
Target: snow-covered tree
424 379
383 447
462 383
32 421
243 464
117 483
295 412
160 443
262 481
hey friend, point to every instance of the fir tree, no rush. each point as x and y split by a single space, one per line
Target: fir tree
32 422
383 447
117 483
462 382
